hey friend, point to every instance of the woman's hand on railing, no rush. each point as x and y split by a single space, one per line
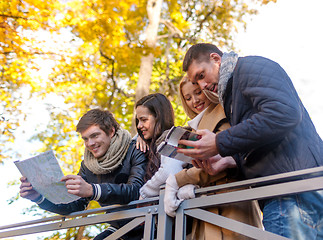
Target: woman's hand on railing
186 192
171 202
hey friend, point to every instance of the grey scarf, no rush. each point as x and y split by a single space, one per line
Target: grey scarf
228 63
113 157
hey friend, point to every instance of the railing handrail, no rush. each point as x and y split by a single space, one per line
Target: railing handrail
139 207
263 181
110 208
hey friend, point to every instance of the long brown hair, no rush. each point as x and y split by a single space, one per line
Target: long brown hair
161 108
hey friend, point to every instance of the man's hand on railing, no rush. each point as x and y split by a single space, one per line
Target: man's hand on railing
27 191
171 202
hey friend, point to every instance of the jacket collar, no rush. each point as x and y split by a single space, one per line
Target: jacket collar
212 116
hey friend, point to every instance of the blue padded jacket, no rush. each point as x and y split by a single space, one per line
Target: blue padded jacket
271 130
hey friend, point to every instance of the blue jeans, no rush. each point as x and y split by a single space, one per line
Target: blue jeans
298 217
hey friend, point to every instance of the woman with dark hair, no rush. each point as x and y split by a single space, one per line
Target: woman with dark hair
154 116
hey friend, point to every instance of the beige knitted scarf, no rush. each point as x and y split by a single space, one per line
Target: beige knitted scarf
113 157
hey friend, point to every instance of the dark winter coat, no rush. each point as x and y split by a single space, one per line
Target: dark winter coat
271 130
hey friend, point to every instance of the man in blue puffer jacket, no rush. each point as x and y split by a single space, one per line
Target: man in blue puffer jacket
112 171
271 132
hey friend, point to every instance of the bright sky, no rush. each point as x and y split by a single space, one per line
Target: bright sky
287 32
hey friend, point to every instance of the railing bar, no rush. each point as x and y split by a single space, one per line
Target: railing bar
102 218
233 225
257 182
81 213
132 204
32 222
126 228
270 191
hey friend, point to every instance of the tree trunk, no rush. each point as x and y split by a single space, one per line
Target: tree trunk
80 231
147 60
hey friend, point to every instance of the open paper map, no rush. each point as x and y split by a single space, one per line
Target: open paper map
169 145
44 173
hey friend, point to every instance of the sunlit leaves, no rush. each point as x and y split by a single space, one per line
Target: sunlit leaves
86 54
19 46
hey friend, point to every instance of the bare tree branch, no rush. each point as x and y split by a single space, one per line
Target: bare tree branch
15 17
206 16
112 77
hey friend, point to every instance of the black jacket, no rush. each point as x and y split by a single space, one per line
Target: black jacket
271 130
119 187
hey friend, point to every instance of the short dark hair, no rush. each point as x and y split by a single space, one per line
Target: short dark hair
102 118
199 52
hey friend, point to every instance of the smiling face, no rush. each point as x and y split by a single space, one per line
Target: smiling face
146 122
96 140
194 97
206 73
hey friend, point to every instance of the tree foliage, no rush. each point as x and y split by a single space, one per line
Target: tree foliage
19 47
92 54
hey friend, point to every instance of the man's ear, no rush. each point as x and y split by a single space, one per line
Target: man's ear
112 132
215 57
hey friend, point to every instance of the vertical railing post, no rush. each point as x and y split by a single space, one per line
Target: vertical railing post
180 224
165 223
149 229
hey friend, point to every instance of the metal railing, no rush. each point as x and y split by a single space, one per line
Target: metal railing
154 217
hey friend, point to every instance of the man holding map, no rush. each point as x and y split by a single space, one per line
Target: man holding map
112 171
